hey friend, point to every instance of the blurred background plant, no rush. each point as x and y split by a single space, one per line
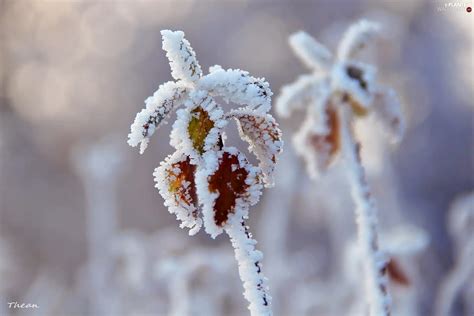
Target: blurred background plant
73 72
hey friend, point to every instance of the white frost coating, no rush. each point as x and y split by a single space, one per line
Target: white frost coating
296 95
157 108
186 212
356 38
208 199
388 109
317 159
318 108
310 141
345 92
360 89
199 150
374 261
249 260
180 138
312 53
238 86
183 62
343 83
264 138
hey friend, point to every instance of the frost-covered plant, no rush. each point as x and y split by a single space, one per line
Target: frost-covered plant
206 182
339 90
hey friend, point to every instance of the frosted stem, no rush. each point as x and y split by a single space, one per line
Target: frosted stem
374 260
250 269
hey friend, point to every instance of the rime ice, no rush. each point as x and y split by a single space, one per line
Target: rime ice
205 182
336 80
339 90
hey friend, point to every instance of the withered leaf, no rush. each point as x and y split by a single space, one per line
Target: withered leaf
199 127
181 182
229 182
396 273
328 144
264 137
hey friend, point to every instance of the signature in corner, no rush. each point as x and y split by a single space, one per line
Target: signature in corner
21 305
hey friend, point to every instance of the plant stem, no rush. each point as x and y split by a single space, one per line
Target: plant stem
250 269
373 259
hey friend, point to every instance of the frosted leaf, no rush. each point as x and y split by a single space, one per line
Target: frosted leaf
239 87
157 109
355 81
312 53
319 149
175 180
356 38
388 109
264 138
183 62
198 126
318 110
227 186
297 95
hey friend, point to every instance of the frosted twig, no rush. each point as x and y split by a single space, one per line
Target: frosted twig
366 218
338 90
310 51
250 268
206 183
357 37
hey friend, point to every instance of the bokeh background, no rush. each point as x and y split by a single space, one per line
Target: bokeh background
84 232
